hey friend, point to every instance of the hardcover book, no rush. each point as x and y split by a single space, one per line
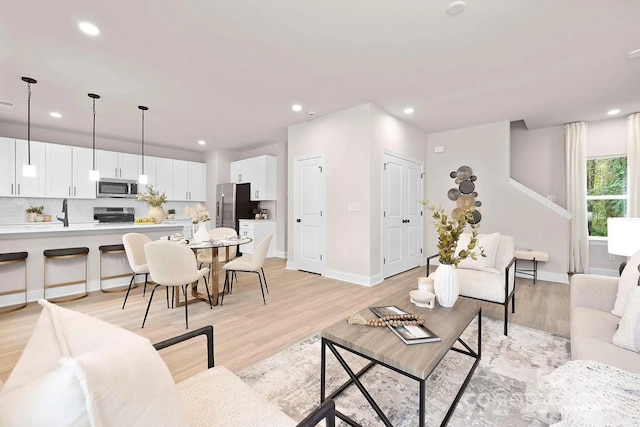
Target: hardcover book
409 334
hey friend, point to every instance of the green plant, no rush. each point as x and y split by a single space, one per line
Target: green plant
36 209
171 211
449 230
152 197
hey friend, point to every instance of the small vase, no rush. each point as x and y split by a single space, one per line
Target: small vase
31 216
446 285
157 213
202 234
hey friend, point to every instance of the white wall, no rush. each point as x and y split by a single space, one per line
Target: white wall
537 160
352 141
19 131
486 149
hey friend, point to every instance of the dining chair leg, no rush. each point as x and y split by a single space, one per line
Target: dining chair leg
128 290
226 285
233 274
206 286
173 296
261 288
149 305
186 303
167 297
144 290
265 279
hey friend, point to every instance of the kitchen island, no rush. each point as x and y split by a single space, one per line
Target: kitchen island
34 238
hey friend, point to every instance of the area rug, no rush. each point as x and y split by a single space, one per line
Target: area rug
504 390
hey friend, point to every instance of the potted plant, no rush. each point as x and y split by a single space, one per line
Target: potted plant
171 213
199 216
155 200
33 212
449 229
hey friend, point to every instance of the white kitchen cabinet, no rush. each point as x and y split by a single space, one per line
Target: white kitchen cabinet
164 176
257 230
14 154
67 172
189 180
117 165
260 172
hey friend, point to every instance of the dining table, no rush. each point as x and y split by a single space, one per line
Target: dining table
214 246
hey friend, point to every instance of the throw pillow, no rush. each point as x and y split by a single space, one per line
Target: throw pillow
489 242
627 283
119 375
628 333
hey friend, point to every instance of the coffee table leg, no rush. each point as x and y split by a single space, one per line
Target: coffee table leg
323 360
421 412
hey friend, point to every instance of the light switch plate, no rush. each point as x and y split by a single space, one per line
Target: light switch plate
438 149
353 207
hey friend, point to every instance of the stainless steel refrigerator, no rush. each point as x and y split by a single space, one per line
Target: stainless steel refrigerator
232 204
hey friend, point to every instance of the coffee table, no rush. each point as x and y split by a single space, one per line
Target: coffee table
382 347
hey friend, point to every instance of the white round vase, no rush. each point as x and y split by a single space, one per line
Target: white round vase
446 285
202 234
157 213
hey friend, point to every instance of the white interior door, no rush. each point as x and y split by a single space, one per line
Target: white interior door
402 219
308 216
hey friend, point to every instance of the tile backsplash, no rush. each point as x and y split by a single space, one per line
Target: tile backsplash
12 209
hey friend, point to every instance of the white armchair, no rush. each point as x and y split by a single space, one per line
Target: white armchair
77 370
491 283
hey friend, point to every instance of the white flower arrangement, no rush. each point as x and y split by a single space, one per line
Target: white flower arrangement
197 215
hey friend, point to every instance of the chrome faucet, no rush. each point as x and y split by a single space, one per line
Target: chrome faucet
65 211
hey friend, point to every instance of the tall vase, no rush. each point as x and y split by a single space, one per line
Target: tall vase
446 285
157 213
202 234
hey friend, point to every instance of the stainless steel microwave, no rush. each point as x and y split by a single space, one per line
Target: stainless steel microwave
117 189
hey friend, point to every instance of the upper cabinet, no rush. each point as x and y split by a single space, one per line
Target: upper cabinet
164 176
13 154
261 172
117 165
189 180
67 172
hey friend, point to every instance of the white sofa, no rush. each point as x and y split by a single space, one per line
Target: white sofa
495 283
77 370
593 325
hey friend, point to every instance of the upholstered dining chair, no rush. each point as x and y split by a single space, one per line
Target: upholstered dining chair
204 256
173 264
250 264
134 248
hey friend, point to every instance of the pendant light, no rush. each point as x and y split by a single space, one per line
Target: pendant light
143 179
94 174
29 170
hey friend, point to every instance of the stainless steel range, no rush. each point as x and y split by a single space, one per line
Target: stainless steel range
111 215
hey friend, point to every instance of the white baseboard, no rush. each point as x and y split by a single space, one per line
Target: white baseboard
548 277
354 278
290 265
605 272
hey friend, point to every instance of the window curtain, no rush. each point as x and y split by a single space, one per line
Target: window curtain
575 142
633 166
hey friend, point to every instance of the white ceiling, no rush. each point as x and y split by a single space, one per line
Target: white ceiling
228 71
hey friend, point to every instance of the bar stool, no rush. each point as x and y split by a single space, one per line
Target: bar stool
13 258
66 253
108 250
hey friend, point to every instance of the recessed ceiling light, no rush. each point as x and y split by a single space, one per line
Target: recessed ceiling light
634 54
456 7
613 112
55 114
202 142
296 107
89 28
408 110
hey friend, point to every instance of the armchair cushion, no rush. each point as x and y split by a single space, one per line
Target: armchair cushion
628 282
88 372
488 242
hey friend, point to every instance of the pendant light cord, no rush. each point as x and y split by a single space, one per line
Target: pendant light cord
29 124
142 142
94 134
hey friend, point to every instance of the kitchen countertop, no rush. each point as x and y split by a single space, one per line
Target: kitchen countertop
37 230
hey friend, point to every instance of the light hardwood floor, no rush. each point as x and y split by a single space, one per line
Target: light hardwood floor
299 305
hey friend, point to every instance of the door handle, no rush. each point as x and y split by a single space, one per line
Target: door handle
74 190
298 220
11 188
18 189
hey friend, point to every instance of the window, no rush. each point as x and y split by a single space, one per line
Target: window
606 192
